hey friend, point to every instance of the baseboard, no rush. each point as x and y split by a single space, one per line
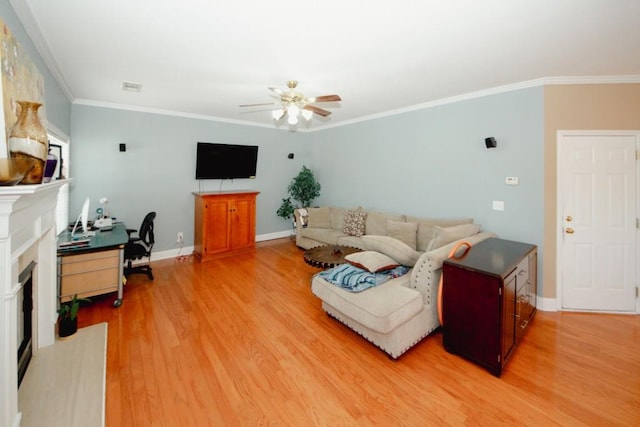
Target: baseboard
273 236
170 253
546 304
188 250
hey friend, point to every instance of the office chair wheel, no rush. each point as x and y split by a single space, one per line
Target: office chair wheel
117 303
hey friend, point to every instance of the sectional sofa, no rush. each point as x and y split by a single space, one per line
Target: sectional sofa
399 313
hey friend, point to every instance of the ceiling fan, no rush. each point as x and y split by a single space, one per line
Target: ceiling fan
294 104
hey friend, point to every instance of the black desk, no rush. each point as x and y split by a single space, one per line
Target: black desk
94 269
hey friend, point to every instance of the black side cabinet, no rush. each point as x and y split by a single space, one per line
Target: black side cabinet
488 300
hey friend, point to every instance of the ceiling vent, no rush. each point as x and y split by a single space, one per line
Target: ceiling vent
131 86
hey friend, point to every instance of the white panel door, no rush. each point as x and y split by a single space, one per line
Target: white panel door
598 203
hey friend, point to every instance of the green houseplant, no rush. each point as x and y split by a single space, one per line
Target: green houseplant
303 188
68 316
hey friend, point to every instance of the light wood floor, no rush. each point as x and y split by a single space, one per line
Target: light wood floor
242 341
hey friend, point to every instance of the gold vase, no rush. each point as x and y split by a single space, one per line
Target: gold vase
28 139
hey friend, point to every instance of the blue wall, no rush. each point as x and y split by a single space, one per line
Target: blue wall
434 163
157 172
429 163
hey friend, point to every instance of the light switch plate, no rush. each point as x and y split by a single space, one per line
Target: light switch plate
498 205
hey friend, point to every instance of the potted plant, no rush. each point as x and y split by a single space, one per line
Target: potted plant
68 316
304 188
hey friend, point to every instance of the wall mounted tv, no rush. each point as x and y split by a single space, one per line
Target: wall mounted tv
225 161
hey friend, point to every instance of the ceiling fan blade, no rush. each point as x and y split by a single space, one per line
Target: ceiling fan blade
276 90
257 105
324 98
319 111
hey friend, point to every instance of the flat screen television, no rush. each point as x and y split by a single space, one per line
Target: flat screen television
226 161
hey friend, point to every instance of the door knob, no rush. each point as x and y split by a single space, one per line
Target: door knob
568 230
569 218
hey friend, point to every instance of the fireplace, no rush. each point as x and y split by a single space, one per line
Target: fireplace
28 290
25 320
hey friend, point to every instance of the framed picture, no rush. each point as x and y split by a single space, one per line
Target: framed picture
56 150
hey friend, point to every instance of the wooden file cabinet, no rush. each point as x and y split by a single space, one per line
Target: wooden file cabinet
488 301
94 269
225 223
89 274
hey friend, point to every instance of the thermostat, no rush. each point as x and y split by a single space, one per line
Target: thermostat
511 180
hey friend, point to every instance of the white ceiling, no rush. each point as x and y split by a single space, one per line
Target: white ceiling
205 57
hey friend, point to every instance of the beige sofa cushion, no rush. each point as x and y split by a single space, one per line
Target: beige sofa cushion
426 228
337 217
404 231
354 242
377 222
319 217
445 235
324 235
382 308
394 248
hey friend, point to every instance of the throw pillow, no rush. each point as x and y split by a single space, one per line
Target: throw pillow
392 247
404 231
319 217
426 228
371 261
445 235
354 223
377 222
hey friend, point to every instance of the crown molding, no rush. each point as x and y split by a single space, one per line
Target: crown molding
160 111
631 79
592 80
576 80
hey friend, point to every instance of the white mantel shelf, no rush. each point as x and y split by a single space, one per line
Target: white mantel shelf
27 233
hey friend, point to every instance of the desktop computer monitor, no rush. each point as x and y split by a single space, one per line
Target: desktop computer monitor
83 219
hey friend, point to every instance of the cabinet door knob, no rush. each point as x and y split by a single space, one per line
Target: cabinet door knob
569 218
568 230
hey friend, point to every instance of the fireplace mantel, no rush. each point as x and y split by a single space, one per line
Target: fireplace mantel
27 233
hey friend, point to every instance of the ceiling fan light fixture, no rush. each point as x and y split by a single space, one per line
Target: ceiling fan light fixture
293 110
278 114
294 105
307 114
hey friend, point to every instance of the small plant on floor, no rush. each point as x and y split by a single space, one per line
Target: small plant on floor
304 188
68 316
286 209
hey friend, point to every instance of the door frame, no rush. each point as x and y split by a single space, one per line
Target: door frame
559 204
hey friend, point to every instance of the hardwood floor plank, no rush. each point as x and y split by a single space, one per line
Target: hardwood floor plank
241 341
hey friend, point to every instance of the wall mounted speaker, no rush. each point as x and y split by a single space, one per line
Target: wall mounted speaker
290 155
123 147
490 142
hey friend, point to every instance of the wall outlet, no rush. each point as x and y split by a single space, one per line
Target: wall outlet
180 238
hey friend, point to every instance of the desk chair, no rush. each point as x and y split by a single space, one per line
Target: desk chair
140 247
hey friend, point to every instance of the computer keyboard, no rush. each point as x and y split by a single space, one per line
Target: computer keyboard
74 243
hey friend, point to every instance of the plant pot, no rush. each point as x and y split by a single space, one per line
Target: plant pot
67 327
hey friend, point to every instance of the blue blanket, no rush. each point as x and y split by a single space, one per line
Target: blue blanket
354 279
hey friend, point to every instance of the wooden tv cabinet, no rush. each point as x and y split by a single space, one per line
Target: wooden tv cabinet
225 223
489 300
